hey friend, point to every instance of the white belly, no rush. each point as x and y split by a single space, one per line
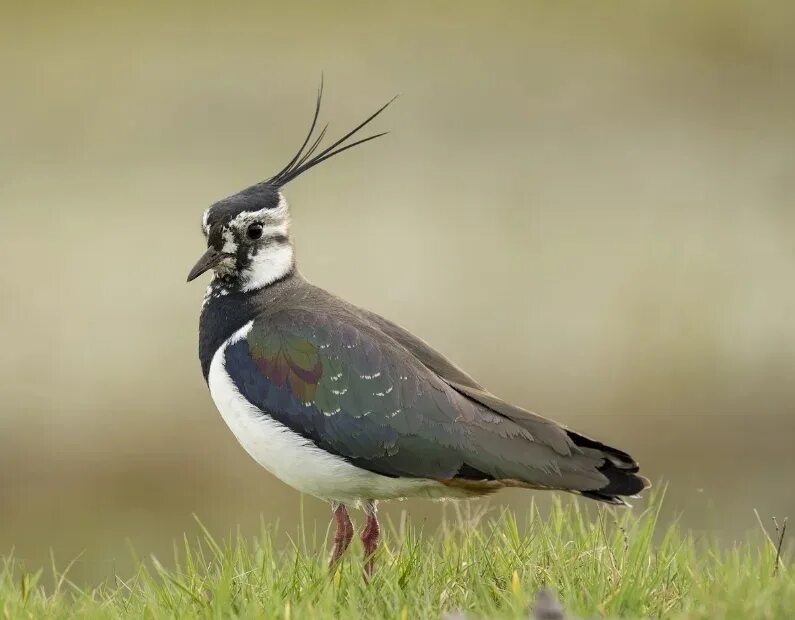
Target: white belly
296 460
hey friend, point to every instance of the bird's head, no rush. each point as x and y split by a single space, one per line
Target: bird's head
248 238
248 233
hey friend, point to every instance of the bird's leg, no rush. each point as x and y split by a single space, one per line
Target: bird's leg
370 535
342 535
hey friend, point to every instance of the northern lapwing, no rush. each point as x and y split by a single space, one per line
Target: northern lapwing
347 406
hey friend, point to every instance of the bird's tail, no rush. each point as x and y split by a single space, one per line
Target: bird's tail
557 457
620 469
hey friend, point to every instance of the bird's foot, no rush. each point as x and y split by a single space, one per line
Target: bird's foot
342 535
370 536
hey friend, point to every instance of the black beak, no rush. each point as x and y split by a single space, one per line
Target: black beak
208 260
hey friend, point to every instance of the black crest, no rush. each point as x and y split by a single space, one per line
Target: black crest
307 156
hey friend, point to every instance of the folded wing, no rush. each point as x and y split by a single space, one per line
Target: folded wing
392 405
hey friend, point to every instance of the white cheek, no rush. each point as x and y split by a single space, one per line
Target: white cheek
269 265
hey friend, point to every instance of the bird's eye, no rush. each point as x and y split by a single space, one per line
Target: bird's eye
254 231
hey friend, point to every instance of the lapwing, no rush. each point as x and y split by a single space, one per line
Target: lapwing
345 405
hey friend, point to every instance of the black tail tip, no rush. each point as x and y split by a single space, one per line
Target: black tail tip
619 486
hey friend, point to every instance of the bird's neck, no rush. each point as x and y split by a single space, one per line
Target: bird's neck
224 311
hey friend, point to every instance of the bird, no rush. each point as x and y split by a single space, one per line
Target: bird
345 405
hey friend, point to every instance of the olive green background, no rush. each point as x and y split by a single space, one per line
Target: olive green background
589 206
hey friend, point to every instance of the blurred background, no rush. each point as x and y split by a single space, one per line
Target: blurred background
589 208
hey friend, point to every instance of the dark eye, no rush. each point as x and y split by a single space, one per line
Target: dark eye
254 231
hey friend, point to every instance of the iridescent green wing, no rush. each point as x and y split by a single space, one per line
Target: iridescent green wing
352 391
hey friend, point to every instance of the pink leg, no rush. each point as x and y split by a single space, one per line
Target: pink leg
370 535
342 535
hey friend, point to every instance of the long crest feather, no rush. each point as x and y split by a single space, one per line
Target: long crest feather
307 157
295 158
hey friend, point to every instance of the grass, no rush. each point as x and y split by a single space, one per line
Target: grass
601 562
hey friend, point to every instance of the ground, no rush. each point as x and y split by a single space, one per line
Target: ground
601 562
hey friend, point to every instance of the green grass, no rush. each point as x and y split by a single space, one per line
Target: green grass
601 562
